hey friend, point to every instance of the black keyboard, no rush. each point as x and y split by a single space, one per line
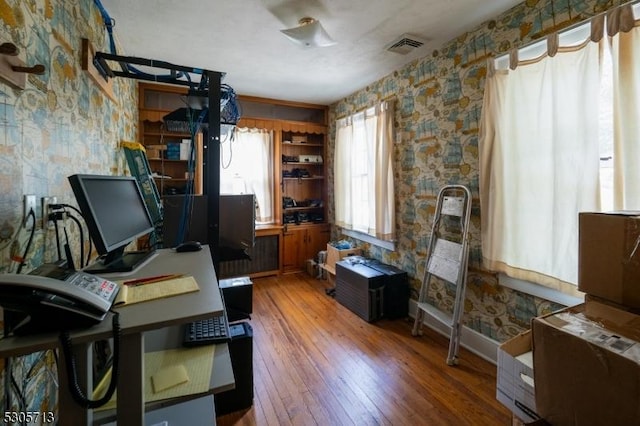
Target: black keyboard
207 332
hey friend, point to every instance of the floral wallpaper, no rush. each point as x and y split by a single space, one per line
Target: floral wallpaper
61 123
438 102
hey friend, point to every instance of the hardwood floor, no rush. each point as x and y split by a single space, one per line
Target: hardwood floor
317 363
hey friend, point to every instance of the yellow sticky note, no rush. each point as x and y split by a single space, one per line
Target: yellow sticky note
169 377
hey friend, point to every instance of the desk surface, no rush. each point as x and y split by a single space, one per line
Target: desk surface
145 316
138 319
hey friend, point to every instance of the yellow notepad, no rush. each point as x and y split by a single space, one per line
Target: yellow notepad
198 363
169 377
130 294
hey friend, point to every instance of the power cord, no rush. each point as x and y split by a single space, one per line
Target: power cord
60 213
21 399
31 215
76 392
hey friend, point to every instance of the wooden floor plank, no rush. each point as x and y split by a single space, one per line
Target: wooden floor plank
316 362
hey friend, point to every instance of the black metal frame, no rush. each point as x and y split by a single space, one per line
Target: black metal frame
210 83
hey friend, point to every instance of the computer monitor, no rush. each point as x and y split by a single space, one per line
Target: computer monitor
237 221
116 214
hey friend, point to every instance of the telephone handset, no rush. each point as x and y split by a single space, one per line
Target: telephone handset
52 298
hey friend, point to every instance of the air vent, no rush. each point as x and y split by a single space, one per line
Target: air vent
405 43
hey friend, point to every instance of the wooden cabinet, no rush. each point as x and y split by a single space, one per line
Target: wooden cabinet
303 193
302 243
163 139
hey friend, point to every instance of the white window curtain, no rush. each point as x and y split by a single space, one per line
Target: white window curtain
247 167
539 165
625 48
539 152
363 172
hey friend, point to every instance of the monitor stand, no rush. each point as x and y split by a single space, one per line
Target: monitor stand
119 261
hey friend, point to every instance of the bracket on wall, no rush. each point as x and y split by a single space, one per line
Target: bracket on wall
200 82
12 69
87 64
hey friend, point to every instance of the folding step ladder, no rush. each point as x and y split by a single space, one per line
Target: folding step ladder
447 259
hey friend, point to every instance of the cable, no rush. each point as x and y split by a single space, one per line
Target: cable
7 383
21 399
63 215
67 250
55 225
77 210
231 140
75 219
228 95
31 215
188 205
76 392
109 23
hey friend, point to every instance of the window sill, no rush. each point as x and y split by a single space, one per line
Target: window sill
389 245
539 291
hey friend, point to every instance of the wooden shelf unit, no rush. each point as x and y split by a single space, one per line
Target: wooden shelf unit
300 129
154 102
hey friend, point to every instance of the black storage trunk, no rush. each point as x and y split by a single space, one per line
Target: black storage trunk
396 290
360 289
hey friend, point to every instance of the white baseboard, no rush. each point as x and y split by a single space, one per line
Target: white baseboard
471 340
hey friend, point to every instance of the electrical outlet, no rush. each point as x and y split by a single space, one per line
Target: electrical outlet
45 209
29 204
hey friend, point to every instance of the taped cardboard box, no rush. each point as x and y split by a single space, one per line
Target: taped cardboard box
609 256
515 383
587 366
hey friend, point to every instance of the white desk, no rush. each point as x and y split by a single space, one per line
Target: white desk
135 320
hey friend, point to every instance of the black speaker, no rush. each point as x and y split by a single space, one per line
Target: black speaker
241 352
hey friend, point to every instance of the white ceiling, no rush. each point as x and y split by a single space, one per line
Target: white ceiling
242 38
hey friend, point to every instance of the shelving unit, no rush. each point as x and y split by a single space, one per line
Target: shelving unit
300 134
303 193
302 174
154 102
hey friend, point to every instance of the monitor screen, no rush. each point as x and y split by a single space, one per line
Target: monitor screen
116 214
237 221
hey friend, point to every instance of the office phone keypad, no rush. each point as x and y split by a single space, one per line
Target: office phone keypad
100 286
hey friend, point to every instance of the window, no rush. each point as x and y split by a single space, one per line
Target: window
363 172
548 150
246 158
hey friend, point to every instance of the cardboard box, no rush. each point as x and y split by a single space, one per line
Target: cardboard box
609 256
335 255
154 152
587 366
515 384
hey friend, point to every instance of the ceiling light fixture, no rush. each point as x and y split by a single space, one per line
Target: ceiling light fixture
309 33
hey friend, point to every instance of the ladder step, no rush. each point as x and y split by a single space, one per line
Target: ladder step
436 313
453 206
445 261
